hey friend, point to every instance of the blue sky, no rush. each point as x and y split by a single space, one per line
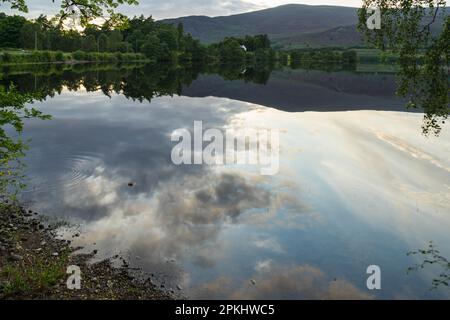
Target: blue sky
161 9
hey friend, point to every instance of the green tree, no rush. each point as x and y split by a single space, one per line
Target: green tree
349 57
103 42
27 35
86 10
71 41
115 38
92 30
10 31
419 32
261 42
180 30
230 50
169 36
152 47
89 43
136 39
52 39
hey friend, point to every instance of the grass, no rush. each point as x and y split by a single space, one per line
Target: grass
376 68
32 276
10 57
58 69
376 56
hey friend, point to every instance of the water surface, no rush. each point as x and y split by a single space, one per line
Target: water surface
359 184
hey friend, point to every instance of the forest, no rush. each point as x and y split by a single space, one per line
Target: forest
138 38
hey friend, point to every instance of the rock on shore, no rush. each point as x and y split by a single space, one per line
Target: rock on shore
33 265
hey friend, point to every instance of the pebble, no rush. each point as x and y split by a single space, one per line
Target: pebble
16 257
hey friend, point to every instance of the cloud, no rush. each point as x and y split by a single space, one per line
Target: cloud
178 8
263 265
157 9
269 244
162 9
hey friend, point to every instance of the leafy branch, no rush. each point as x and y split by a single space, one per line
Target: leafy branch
84 10
13 111
432 256
424 56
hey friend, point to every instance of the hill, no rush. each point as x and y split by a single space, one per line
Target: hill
287 25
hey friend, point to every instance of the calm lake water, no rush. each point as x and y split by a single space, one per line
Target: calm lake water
359 184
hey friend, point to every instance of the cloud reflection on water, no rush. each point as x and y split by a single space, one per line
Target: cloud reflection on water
273 282
346 194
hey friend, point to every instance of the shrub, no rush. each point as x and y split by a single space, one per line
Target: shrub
103 56
36 56
89 56
47 56
5 57
59 56
119 56
79 55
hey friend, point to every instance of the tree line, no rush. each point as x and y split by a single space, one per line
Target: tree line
156 40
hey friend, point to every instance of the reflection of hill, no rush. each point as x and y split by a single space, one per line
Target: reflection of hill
298 90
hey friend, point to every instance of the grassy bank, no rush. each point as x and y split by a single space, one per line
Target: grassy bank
11 57
33 265
57 69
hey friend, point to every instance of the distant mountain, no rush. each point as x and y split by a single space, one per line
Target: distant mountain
292 25
288 26
343 36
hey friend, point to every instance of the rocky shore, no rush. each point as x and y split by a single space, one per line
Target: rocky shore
33 265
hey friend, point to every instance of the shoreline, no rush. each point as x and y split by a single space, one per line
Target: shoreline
71 62
33 265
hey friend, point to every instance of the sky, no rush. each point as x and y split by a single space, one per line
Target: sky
162 9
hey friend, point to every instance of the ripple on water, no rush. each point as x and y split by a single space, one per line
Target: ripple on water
54 172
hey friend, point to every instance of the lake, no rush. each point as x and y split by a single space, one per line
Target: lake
359 184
